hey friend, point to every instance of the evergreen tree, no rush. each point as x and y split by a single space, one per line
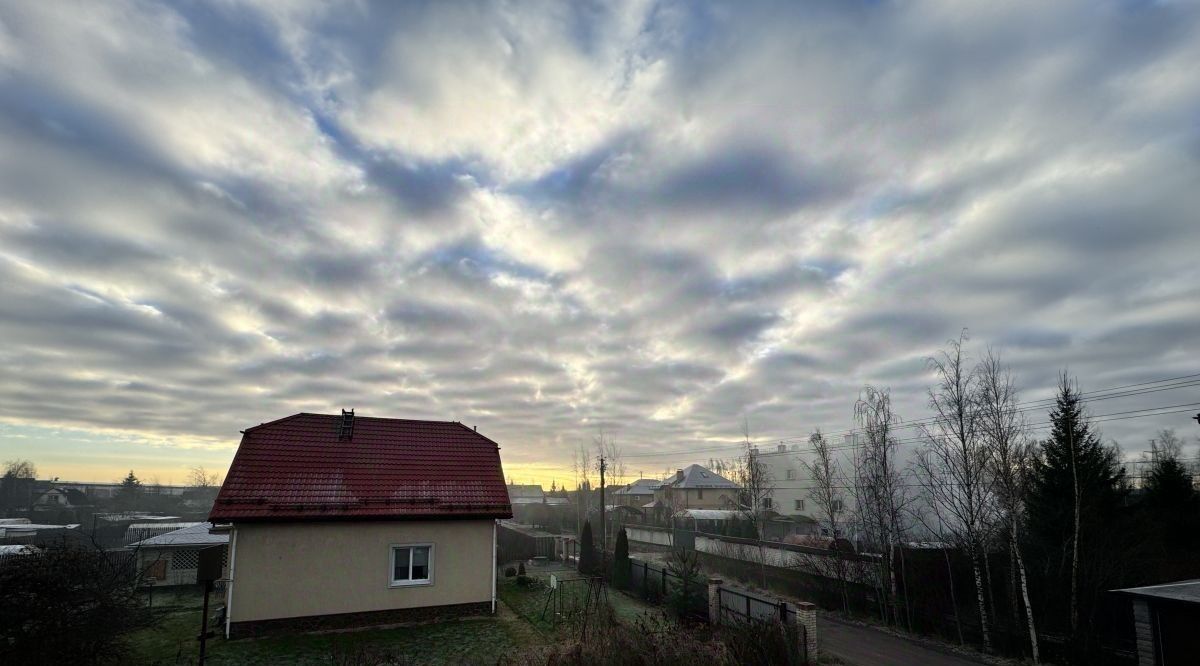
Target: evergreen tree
1075 494
621 563
1173 507
587 550
129 493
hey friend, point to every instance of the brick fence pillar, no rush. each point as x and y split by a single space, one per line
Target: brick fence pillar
806 617
714 600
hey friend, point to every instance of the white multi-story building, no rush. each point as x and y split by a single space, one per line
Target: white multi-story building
791 484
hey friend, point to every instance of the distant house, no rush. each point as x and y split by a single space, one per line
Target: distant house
526 494
1165 622
636 494
697 487
57 499
171 558
337 520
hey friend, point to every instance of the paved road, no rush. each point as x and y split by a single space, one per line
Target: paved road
864 646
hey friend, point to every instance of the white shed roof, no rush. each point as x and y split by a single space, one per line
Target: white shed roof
193 535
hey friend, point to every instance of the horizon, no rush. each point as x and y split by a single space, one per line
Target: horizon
647 221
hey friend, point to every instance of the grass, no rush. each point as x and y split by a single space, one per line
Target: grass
530 602
478 639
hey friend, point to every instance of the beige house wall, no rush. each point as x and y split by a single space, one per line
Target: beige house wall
690 498
284 570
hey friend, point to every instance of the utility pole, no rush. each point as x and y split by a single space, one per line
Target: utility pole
603 524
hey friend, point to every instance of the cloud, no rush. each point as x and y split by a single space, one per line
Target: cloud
648 217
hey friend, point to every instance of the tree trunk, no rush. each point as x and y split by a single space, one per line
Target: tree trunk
983 615
991 595
953 597
1074 548
1033 637
904 577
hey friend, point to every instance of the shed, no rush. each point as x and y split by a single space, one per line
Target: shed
171 558
1166 619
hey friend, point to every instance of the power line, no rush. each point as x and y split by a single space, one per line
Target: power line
1099 418
1166 384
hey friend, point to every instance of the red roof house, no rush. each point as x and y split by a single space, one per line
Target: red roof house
338 520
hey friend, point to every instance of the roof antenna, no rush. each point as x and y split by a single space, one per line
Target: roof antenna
346 430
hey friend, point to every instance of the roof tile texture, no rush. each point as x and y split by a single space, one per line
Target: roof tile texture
297 468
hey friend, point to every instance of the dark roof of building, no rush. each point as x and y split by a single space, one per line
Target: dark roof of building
303 467
698 476
1184 590
639 487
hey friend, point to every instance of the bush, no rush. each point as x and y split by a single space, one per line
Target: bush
524 580
509 572
69 605
521 569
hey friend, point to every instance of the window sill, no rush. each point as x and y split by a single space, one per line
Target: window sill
410 583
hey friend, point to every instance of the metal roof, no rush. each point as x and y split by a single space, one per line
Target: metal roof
699 476
194 535
639 487
298 468
1184 590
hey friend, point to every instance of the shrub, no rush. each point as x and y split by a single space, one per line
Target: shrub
69 605
524 580
521 569
509 572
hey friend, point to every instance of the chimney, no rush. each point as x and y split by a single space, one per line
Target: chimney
679 475
346 428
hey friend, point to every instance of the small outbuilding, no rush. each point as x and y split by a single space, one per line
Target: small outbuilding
1166 621
171 558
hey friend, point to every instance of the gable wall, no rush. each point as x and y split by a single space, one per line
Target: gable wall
289 570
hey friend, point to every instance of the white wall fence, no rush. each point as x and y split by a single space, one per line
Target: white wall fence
856 568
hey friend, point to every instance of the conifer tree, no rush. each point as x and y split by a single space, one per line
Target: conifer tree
587 550
1075 492
621 563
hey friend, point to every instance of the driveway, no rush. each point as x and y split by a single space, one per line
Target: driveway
864 646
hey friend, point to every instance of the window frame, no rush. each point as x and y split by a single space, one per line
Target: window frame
392 581
799 505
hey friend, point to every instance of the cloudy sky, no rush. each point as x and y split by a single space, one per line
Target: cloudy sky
547 219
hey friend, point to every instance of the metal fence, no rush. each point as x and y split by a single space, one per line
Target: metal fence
742 607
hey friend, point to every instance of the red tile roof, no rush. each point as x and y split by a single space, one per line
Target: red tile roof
296 468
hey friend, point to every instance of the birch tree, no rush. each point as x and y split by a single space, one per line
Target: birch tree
828 498
757 488
1009 450
955 463
878 488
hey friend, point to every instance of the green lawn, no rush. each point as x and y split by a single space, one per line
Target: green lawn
532 603
480 639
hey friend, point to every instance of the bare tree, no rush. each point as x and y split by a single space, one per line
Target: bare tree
198 477
1006 437
581 466
20 469
757 488
878 490
826 494
956 465
937 529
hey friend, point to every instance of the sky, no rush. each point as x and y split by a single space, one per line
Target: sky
655 220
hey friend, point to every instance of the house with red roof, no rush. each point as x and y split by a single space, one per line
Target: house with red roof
338 520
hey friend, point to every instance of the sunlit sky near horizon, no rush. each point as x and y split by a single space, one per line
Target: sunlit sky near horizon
546 219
